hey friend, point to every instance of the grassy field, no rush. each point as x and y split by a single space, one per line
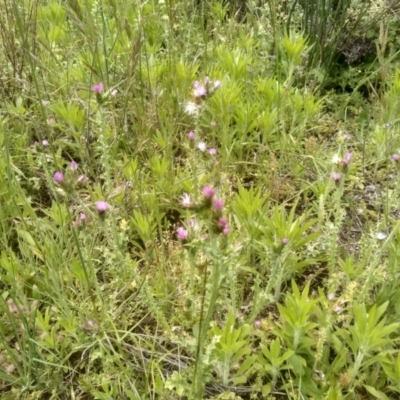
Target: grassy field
199 199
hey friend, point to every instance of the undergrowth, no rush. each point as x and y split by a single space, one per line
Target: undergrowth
199 200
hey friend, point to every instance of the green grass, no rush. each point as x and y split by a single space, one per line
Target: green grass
256 257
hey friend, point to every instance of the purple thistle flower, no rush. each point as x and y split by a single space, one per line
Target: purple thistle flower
212 151
347 158
218 204
102 206
182 233
73 166
58 177
395 157
208 192
222 222
99 88
200 91
226 230
191 135
83 217
336 176
285 240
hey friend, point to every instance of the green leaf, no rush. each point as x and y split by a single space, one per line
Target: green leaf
266 390
239 380
246 364
377 393
298 363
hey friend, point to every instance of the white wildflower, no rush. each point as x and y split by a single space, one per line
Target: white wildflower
186 201
202 146
336 159
191 108
381 236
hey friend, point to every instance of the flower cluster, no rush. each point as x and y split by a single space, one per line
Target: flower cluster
342 163
203 89
59 177
209 202
81 220
214 206
101 96
73 178
223 225
202 146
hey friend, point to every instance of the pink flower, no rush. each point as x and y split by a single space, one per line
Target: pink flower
73 166
212 151
83 217
45 143
336 176
347 158
218 204
99 88
257 324
58 177
102 206
331 296
395 157
199 90
182 233
191 135
285 240
222 222
208 192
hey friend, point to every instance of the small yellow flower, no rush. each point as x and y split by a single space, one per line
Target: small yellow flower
124 224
